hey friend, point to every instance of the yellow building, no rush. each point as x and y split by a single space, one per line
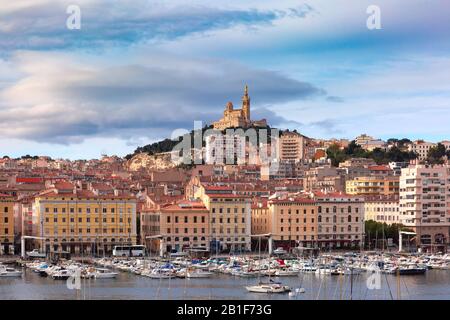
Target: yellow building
6 224
79 221
387 185
230 217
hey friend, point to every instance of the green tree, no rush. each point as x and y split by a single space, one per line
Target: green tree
335 154
436 154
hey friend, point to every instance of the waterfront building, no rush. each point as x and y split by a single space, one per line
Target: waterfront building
373 185
79 221
230 217
185 225
382 208
340 220
424 204
293 221
6 224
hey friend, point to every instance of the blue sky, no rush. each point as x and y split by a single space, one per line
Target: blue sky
139 69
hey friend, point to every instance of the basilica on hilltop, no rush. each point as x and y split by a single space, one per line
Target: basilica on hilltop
238 118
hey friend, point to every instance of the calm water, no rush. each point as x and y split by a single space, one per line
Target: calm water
435 284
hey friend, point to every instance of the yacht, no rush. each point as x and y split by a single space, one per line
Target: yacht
9 272
61 275
268 288
198 274
161 274
101 273
286 273
36 254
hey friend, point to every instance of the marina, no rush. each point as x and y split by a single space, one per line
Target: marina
349 276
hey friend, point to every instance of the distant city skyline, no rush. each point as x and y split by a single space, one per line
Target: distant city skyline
137 70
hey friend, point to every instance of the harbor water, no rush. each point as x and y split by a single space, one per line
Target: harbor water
434 285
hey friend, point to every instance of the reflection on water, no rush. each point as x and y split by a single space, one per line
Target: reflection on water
435 284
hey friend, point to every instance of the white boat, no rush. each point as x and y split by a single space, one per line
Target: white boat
279 251
286 273
198 274
268 288
9 272
101 273
36 254
161 274
61 275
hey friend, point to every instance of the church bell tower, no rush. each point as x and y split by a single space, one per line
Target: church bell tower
246 104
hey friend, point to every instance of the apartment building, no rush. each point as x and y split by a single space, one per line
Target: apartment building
230 217
373 185
340 220
425 205
80 222
421 148
293 221
382 208
6 224
185 225
291 146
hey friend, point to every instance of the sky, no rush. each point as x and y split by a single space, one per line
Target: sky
137 70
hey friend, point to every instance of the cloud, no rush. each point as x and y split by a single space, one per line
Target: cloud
62 100
41 24
335 99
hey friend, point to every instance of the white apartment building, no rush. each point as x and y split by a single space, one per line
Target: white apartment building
291 146
425 204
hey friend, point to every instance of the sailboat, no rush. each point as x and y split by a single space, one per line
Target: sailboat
268 287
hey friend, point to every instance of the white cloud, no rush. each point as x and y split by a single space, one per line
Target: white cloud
62 100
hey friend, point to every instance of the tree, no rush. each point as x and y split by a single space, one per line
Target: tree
436 154
335 154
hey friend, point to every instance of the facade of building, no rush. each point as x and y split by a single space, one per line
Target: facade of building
230 218
386 185
6 224
185 225
382 208
261 222
291 146
421 148
78 221
293 222
424 204
340 220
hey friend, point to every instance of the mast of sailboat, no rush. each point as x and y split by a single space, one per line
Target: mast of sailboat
269 236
